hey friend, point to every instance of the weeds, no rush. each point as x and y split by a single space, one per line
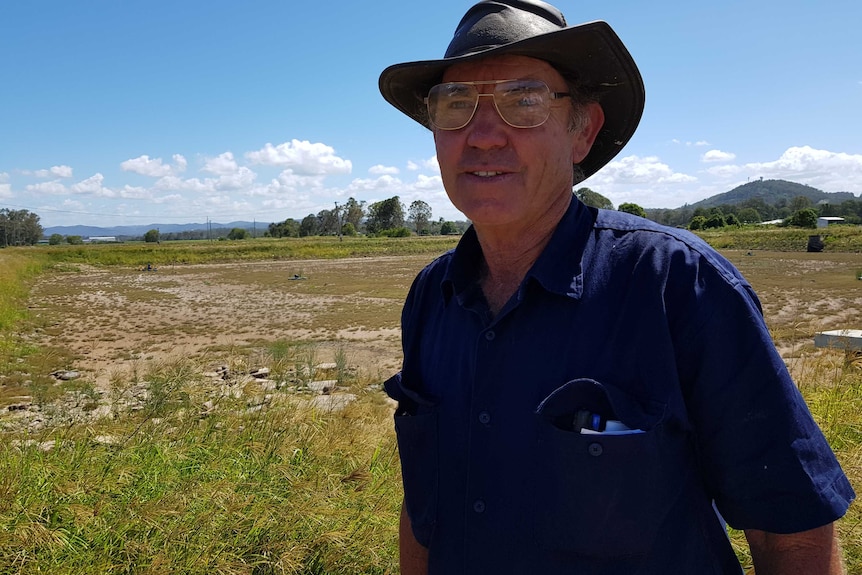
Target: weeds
287 490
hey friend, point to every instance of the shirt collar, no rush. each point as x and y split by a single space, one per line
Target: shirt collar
558 268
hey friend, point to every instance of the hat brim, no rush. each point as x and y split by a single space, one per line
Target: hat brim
592 52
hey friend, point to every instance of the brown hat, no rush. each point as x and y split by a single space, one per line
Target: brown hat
592 53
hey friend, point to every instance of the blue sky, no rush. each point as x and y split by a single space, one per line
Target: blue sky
128 112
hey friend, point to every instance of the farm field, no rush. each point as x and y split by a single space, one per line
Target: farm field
202 474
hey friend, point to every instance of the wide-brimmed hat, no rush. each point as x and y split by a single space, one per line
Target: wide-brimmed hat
592 53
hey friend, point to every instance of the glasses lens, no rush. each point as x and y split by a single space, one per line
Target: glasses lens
523 103
451 106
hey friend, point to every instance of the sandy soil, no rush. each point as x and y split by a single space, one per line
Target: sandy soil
116 319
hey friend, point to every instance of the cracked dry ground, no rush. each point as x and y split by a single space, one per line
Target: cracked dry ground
118 319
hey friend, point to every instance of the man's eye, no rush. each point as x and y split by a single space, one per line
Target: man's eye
459 103
523 98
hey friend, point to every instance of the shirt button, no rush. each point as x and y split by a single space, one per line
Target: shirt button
484 417
479 506
595 449
490 335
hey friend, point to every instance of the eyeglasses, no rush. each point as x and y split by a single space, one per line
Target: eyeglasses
521 103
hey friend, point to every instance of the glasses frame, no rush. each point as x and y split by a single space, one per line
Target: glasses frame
493 94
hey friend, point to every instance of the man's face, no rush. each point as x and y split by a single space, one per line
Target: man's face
498 175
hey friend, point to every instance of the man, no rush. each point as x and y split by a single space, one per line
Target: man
584 391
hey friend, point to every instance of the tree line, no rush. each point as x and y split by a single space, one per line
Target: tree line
795 211
384 218
390 218
798 211
19 228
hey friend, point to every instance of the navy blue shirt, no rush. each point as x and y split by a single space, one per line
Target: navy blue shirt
619 319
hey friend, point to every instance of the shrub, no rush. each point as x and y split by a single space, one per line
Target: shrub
805 218
714 221
237 234
697 223
400 232
632 209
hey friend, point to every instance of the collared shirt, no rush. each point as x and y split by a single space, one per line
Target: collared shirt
619 320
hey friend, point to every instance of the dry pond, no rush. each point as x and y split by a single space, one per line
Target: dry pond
113 319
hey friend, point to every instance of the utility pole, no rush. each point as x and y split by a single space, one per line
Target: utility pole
338 222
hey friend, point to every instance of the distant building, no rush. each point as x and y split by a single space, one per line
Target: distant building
101 239
823 222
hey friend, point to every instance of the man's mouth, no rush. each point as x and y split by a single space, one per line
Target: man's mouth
487 174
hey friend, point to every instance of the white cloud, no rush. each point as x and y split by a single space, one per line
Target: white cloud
224 164
429 183
302 157
134 193
193 185
52 172
231 178
154 167
241 179
180 163
53 188
717 156
637 170
168 199
429 164
5 186
380 169
724 172
829 171
92 186
385 182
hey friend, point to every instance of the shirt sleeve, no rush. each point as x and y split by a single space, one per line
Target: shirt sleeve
763 457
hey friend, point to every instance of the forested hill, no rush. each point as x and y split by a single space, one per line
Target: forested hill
765 200
773 192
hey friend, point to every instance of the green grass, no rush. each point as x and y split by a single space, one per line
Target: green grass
17 269
139 254
835 238
285 490
195 481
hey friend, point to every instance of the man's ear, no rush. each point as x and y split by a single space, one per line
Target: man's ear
584 138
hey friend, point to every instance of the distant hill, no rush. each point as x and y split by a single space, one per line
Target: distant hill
773 192
138 231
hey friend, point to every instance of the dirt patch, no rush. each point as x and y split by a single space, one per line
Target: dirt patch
113 319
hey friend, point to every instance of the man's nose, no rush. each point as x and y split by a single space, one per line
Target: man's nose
487 128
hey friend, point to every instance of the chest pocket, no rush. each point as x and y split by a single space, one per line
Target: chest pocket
604 493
